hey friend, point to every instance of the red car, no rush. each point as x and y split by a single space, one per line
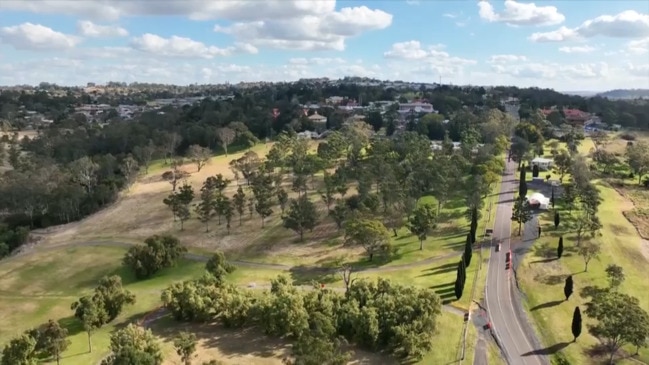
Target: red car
508 256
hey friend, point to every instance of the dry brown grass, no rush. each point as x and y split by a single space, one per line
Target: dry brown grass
140 213
617 145
240 346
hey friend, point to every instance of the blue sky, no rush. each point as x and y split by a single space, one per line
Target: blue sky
566 45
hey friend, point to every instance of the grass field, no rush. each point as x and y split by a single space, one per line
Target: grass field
542 276
41 286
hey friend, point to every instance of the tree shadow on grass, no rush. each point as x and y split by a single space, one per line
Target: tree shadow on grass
72 324
439 269
550 279
548 350
547 305
304 275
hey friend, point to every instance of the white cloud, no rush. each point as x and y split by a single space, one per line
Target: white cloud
577 49
638 47
316 61
430 59
310 32
640 71
90 29
627 24
28 36
537 70
284 24
175 46
449 15
516 13
505 58
110 10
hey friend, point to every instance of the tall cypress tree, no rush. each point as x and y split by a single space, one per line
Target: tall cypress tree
567 289
560 247
576 324
522 184
557 220
552 198
468 251
474 224
460 279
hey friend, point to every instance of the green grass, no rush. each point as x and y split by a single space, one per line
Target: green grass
542 280
42 286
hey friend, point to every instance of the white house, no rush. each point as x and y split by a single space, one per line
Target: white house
543 163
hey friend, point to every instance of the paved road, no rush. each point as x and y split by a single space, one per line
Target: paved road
513 333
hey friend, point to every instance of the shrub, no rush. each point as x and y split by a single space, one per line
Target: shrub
628 136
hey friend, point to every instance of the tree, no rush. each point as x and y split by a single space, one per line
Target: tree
239 201
144 154
339 213
585 224
519 149
522 181
567 288
615 275
562 163
560 247
205 208
112 296
53 340
637 156
576 324
226 136
133 342
468 251
370 234
282 199
262 190
422 222
521 213
329 190
605 160
218 266
179 202
552 199
157 253
301 215
535 171
620 320
185 345
588 251
19 351
92 315
226 208
129 168
557 219
460 280
199 155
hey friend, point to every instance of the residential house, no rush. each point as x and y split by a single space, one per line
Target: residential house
543 163
416 106
576 117
319 121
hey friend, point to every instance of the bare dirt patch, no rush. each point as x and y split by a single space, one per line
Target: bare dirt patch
241 346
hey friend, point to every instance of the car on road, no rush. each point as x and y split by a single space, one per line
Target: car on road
498 247
508 257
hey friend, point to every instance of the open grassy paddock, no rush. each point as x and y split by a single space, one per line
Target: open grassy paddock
542 276
41 286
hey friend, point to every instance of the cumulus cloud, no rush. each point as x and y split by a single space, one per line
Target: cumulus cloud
284 24
175 46
28 36
430 59
577 49
90 29
627 24
550 70
505 58
326 31
517 14
638 47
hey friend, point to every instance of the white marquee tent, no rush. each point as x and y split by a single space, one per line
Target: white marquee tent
538 200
